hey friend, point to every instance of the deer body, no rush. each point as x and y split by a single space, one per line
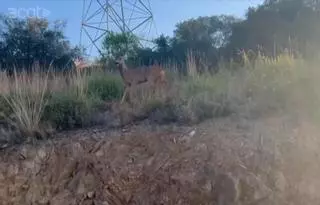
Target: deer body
80 65
153 75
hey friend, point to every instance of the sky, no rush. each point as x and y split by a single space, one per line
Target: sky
166 13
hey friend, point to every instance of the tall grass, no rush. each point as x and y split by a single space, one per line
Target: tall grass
26 98
256 87
32 104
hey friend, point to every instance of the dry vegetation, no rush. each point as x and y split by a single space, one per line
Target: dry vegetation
246 135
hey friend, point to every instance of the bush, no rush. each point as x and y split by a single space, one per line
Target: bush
203 107
67 110
203 97
162 112
105 87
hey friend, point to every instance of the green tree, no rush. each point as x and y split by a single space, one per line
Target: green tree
205 36
279 25
120 44
26 41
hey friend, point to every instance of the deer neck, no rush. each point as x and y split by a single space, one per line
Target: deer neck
122 69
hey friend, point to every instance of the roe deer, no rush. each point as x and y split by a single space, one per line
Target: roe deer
154 75
80 65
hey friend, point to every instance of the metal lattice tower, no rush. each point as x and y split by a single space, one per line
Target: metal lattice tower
102 16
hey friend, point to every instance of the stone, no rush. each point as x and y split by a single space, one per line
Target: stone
99 153
41 156
90 195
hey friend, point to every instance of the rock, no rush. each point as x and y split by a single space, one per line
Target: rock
42 155
192 133
90 195
187 137
44 201
208 186
99 153
25 186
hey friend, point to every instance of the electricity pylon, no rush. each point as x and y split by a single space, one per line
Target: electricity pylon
99 17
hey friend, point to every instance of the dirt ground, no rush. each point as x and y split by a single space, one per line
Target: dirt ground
223 161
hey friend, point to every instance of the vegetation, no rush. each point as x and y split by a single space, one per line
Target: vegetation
28 43
262 86
229 64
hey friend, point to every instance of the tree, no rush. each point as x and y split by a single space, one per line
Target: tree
26 41
116 45
205 36
271 28
278 25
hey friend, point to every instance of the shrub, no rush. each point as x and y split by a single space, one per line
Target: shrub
26 100
203 97
105 87
162 112
204 107
67 110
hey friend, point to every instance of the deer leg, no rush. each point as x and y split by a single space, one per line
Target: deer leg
124 95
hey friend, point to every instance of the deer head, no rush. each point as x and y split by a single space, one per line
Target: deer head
80 64
120 63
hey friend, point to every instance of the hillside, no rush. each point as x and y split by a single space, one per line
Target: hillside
252 161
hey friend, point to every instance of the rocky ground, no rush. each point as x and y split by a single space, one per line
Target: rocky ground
230 160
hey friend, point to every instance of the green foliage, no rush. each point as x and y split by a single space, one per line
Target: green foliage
273 28
276 26
25 41
120 44
105 87
263 86
67 110
164 113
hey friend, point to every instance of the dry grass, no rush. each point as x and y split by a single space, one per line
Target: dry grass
26 97
262 86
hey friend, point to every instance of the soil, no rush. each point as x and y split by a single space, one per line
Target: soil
230 160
